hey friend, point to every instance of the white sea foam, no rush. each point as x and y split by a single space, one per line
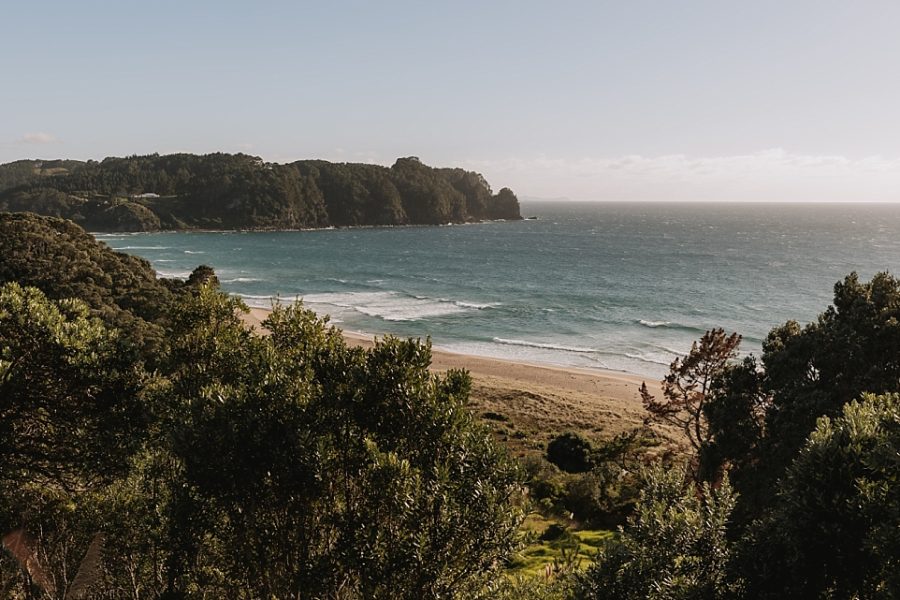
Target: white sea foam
242 280
654 324
389 306
476 305
545 345
141 247
194 252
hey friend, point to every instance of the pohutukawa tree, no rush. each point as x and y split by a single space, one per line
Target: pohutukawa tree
688 387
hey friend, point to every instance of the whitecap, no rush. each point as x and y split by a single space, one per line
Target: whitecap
387 305
476 305
654 324
544 345
141 247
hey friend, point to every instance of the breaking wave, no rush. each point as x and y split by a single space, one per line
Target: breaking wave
544 345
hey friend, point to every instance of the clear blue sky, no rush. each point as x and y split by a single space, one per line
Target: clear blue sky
786 100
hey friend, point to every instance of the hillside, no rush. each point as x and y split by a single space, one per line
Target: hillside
237 191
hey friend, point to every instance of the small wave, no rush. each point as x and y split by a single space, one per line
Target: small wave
194 252
652 358
545 346
387 305
242 280
673 351
476 305
654 324
141 247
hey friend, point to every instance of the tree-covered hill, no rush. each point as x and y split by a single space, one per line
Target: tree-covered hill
237 191
22 172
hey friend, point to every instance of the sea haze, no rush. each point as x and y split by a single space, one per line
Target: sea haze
606 285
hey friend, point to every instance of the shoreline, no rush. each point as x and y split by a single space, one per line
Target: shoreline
305 229
541 400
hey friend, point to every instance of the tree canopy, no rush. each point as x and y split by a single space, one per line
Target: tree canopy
237 191
226 463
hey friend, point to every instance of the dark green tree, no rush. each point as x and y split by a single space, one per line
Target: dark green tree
64 261
834 531
73 413
310 467
237 191
571 452
764 410
71 405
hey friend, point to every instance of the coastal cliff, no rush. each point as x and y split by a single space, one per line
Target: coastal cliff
238 191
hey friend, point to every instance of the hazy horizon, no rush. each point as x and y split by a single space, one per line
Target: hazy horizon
703 101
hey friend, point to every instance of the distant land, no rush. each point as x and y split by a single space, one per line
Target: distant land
238 191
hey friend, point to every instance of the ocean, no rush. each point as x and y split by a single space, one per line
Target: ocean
615 286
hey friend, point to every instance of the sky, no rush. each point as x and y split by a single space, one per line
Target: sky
718 100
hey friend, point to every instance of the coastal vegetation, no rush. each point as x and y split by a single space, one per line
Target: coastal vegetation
237 191
152 446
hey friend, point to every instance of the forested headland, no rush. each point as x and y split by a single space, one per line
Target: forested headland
237 191
151 446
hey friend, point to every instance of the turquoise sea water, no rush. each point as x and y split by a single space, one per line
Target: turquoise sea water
606 285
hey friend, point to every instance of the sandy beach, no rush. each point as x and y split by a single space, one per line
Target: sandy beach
527 404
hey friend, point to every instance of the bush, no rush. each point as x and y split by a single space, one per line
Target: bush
674 546
571 452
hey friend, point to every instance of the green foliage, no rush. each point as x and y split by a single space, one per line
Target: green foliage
600 493
816 518
63 261
522 587
22 172
673 547
763 413
571 452
247 465
225 191
70 404
349 472
73 413
834 530
813 371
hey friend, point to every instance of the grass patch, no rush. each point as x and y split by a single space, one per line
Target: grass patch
578 547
